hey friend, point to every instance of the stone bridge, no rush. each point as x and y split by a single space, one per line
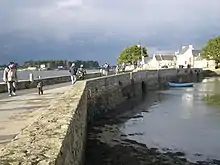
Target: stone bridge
52 129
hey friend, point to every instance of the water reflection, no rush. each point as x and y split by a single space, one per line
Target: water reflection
210 85
182 121
187 98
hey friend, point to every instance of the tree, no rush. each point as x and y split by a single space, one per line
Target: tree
131 54
211 51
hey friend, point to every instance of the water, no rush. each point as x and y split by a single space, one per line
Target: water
179 120
24 75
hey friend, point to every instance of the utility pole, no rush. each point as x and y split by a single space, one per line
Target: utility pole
139 45
142 57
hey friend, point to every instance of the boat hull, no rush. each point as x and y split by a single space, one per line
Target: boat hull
180 84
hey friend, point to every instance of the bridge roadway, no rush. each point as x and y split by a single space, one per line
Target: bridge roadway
19 111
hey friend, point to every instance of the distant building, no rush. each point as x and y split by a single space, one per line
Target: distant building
42 66
32 68
145 60
200 62
162 60
187 55
60 68
49 65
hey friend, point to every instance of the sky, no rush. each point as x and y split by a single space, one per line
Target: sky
100 29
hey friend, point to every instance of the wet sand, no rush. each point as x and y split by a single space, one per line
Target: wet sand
107 145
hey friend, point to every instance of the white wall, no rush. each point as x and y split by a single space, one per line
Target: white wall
204 63
180 60
167 63
184 59
153 63
158 64
129 67
200 64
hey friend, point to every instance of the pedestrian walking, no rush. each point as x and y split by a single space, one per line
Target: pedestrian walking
81 72
73 72
40 86
10 77
117 69
106 69
123 67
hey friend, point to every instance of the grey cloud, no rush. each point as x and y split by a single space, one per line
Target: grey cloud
111 25
124 16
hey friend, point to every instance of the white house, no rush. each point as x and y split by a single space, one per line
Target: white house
187 55
42 66
32 68
200 62
161 60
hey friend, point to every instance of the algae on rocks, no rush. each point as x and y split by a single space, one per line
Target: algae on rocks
213 99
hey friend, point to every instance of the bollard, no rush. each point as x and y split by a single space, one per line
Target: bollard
31 77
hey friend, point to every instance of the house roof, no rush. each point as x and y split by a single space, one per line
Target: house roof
182 50
196 52
146 60
168 57
158 57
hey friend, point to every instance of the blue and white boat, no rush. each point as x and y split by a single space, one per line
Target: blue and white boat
171 84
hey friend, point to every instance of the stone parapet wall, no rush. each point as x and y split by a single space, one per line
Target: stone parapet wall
58 136
106 92
25 84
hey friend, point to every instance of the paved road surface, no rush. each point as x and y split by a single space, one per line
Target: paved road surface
19 111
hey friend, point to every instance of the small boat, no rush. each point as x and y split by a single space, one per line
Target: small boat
171 84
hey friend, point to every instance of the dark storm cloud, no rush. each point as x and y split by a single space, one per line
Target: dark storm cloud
97 29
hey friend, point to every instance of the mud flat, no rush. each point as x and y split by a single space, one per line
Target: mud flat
107 145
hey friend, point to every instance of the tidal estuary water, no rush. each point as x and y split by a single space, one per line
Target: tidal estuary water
174 126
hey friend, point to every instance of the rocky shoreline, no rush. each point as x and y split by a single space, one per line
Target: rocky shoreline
107 145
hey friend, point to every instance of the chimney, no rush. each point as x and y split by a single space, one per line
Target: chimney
183 47
191 47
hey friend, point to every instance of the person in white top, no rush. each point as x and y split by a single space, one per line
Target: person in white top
106 69
81 72
73 72
10 77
